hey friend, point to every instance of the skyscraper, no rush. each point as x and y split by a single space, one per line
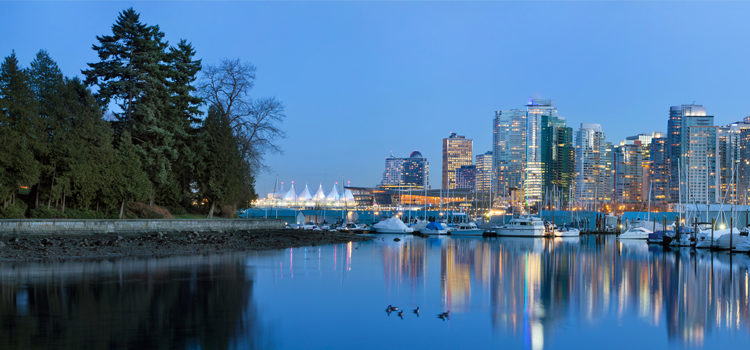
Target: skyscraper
699 159
628 173
484 172
659 171
591 165
413 171
457 151
533 180
466 177
743 178
558 163
675 143
509 153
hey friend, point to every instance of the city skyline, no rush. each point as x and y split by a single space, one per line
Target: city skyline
375 89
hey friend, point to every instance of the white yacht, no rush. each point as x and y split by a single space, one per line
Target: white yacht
467 229
392 225
526 226
430 228
567 232
635 233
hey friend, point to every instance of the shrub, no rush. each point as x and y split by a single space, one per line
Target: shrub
14 211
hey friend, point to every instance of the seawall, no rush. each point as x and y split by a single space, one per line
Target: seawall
130 226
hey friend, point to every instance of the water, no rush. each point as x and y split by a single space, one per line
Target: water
504 292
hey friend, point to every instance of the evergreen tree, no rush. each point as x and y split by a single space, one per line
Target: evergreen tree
184 118
221 177
46 81
133 72
130 182
18 132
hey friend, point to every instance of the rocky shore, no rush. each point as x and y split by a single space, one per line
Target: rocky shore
105 246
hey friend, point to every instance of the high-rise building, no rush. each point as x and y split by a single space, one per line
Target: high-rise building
533 176
743 179
609 173
466 177
413 172
729 157
457 151
698 144
628 173
674 143
416 171
484 172
659 171
558 163
645 140
591 183
509 153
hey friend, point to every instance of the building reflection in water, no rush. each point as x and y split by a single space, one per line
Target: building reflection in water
535 285
171 303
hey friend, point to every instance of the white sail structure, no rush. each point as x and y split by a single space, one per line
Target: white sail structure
333 196
348 197
291 196
305 195
319 195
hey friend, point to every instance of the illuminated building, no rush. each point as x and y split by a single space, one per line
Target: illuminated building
557 155
484 172
411 172
645 140
659 171
744 164
675 143
700 179
466 177
591 165
509 153
628 173
533 175
457 151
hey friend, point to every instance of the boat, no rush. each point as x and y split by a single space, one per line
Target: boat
525 226
392 225
566 232
661 237
433 228
635 232
467 229
723 242
353 228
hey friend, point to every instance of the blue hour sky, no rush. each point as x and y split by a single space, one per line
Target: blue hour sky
362 80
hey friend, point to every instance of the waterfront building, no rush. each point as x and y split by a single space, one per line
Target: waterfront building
645 141
729 156
675 143
609 173
457 152
557 156
484 172
466 177
659 172
628 174
700 179
591 165
509 150
410 172
743 178
533 175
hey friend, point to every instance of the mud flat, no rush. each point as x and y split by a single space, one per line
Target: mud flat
59 247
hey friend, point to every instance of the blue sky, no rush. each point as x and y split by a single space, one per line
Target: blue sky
362 80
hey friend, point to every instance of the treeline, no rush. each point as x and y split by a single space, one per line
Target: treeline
133 130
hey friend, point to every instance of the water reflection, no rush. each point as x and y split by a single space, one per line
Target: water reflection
535 285
199 302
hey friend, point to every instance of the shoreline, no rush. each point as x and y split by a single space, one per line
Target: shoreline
61 247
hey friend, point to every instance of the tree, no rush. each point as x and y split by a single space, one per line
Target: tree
133 71
254 122
222 176
18 131
184 115
130 181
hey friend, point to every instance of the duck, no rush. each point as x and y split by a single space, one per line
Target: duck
445 315
416 311
401 314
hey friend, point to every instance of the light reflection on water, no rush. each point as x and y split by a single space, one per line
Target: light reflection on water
504 292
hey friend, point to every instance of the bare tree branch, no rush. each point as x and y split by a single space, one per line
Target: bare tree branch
255 122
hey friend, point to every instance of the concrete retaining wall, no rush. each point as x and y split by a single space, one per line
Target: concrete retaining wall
72 226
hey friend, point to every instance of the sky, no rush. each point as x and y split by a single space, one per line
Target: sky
364 80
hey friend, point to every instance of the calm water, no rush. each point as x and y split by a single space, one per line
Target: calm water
509 293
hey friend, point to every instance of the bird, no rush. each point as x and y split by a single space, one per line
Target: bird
401 314
445 315
416 311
